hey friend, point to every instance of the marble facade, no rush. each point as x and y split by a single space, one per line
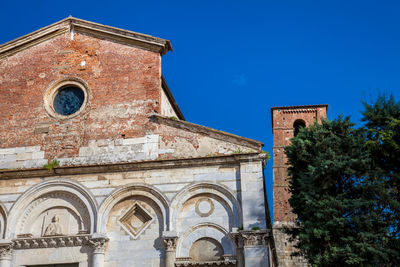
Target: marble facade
126 181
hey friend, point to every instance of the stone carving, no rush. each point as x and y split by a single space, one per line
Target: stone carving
135 220
65 204
54 228
186 261
49 242
251 238
170 243
6 250
204 207
98 244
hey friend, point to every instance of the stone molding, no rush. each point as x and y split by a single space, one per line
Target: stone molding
204 230
218 190
125 220
73 189
186 261
73 25
251 238
132 166
51 242
81 210
97 243
201 213
126 191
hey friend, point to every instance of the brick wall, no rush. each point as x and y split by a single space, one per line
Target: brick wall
124 88
283 119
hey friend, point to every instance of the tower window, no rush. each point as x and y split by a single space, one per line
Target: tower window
297 125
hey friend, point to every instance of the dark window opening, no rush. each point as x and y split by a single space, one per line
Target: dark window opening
297 125
68 100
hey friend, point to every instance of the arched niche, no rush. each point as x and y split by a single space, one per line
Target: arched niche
61 204
206 231
200 194
206 249
137 215
131 192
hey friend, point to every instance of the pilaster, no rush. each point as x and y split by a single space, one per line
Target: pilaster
252 194
98 244
252 247
170 241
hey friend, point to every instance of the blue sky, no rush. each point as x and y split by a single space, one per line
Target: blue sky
234 60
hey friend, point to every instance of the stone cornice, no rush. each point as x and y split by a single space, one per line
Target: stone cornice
73 25
97 243
51 242
132 166
185 261
210 132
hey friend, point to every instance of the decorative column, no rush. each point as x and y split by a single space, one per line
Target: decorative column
253 248
170 241
6 250
98 244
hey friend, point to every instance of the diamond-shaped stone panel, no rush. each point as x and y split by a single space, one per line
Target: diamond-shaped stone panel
135 220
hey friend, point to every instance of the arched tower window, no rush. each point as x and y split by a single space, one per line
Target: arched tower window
297 125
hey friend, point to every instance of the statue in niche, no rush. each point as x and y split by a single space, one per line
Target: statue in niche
54 228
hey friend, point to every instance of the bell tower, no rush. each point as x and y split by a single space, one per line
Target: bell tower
286 122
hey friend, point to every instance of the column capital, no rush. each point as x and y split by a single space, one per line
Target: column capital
6 250
170 240
98 243
251 238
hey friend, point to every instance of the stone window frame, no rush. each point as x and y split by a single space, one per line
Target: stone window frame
53 89
135 208
197 208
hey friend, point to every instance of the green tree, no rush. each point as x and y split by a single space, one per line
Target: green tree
344 185
382 126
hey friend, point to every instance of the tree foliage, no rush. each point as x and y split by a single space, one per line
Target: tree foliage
345 188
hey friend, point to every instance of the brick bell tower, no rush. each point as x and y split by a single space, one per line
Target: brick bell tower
286 122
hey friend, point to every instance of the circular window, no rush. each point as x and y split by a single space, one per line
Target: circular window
66 99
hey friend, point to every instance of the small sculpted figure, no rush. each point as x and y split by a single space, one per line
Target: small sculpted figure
54 228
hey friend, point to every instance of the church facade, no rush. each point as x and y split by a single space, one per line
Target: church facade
98 166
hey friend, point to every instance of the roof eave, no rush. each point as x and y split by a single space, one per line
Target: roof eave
171 99
296 107
72 24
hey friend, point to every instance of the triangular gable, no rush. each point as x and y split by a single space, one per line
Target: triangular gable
75 25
